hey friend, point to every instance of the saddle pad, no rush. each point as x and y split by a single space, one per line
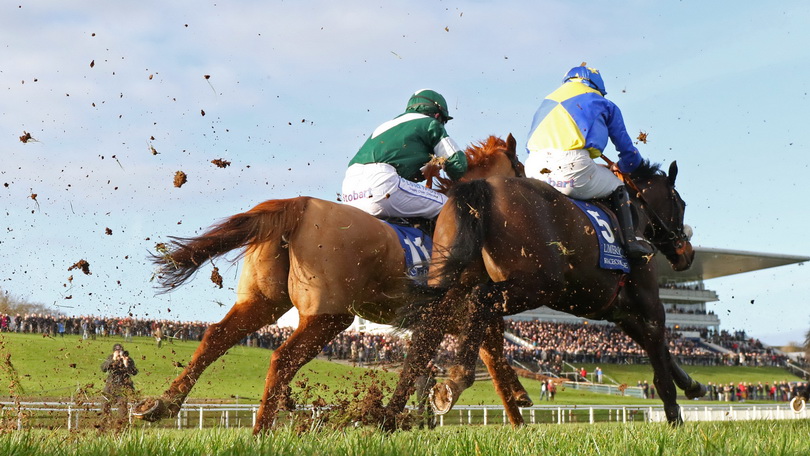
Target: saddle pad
417 246
611 253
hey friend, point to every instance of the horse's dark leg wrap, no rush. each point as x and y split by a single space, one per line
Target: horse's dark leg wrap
620 200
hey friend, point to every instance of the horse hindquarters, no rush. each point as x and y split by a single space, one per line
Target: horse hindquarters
262 290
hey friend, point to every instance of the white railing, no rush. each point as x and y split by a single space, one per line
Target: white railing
44 414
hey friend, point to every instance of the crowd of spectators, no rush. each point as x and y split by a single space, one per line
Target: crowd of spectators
363 348
678 310
550 344
576 343
777 391
90 327
354 346
745 351
583 343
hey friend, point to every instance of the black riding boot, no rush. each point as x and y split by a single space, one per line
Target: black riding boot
635 249
422 223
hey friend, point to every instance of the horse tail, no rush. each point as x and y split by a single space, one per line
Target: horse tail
471 202
271 220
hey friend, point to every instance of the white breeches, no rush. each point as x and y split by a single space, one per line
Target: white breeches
376 188
572 172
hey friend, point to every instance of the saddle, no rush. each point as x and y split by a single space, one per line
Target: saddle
423 224
417 246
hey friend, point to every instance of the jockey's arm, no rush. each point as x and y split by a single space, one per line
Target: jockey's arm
629 157
444 147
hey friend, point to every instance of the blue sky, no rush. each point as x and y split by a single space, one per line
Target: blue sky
295 87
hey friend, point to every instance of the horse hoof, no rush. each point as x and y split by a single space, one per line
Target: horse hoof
150 410
695 393
797 405
442 401
523 400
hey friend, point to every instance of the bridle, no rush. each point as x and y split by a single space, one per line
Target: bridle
671 241
674 240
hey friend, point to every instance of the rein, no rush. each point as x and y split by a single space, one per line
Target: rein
676 237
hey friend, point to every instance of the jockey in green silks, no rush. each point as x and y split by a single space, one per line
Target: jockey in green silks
382 177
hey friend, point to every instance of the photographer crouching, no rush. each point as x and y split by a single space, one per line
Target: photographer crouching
119 387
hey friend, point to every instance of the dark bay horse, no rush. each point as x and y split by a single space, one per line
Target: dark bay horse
329 260
505 245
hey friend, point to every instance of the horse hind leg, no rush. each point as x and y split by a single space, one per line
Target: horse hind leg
691 387
302 346
504 378
487 302
244 318
652 339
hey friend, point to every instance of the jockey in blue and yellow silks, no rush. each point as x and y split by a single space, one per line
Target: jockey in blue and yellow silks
570 129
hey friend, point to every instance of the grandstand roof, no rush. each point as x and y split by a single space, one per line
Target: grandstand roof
711 263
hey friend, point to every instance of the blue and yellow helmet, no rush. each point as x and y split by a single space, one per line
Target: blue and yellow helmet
589 76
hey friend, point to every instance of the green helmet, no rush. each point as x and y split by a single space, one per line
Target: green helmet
428 102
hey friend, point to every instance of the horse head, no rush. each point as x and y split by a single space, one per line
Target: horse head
493 157
664 208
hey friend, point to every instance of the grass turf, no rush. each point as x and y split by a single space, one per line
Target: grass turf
759 438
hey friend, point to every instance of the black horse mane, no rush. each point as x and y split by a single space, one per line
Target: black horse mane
647 170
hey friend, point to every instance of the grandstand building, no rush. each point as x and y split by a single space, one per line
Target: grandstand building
684 293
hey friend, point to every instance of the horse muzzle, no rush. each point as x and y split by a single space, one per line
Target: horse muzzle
683 256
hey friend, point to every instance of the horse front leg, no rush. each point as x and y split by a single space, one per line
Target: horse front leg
301 347
487 303
244 318
504 378
425 340
476 319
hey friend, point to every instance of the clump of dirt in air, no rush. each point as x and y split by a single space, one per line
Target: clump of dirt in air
81 265
221 163
27 138
180 178
215 277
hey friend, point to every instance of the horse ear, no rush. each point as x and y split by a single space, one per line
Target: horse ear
673 172
511 146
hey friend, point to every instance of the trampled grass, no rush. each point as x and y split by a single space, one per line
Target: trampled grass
760 438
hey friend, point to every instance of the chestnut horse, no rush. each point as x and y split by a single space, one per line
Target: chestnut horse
513 245
329 260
